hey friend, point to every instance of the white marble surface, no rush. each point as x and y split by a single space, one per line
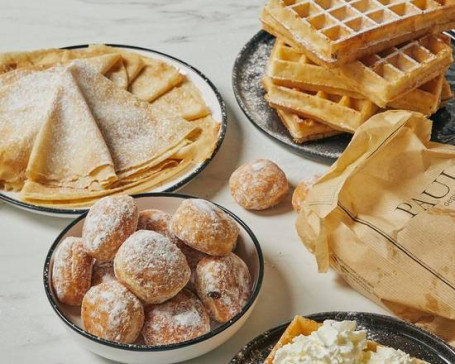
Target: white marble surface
207 34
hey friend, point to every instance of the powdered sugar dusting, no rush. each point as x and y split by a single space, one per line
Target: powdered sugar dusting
258 185
150 261
112 312
224 285
180 319
204 227
106 219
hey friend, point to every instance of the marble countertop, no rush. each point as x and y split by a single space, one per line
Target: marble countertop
207 34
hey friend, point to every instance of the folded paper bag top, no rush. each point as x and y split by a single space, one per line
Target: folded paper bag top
383 217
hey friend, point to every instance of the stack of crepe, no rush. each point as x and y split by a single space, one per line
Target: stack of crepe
78 125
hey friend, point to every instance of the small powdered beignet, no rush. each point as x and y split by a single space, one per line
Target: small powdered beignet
107 225
224 285
151 266
157 220
193 257
72 271
102 273
258 185
299 195
204 227
182 318
111 312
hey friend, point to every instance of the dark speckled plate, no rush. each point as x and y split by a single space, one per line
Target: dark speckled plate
382 329
246 79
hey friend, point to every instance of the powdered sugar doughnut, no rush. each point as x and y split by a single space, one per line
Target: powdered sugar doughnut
102 272
182 318
193 257
205 227
151 266
300 194
109 222
112 312
224 285
157 220
258 185
72 271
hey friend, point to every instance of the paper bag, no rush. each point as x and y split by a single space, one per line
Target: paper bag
383 217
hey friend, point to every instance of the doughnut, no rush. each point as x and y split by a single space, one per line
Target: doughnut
107 225
258 185
193 257
157 220
223 284
71 271
102 273
204 227
153 268
301 191
182 318
111 312
299 195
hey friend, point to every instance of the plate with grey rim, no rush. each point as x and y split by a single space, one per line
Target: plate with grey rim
382 329
248 71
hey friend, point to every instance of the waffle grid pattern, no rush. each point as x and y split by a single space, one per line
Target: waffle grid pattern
341 19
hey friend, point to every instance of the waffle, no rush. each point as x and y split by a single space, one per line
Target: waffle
446 94
304 130
303 326
301 129
382 77
335 32
342 113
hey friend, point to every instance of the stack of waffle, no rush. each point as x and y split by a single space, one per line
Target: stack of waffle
335 63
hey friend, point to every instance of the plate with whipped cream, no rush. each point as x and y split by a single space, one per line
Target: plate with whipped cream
346 337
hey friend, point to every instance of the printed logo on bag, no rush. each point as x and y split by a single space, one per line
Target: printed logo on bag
432 195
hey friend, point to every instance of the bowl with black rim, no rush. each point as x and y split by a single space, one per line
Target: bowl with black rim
247 248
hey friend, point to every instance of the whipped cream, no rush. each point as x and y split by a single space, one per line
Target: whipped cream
386 355
335 342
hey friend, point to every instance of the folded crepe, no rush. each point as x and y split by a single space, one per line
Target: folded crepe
69 150
140 144
46 58
184 100
25 99
155 79
118 74
132 62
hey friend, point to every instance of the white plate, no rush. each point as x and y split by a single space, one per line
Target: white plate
211 97
247 248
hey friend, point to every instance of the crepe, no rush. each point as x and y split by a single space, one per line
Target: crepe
24 105
102 62
73 136
118 74
184 100
140 145
132 62
155 79
61 156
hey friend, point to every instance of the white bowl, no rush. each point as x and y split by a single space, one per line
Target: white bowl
248 249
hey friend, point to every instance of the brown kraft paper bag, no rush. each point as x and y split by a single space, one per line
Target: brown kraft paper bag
383 217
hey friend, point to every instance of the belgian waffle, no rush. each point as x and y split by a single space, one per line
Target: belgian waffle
446 94
335 32
301 129
382 77
290 68
304 130
342 113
